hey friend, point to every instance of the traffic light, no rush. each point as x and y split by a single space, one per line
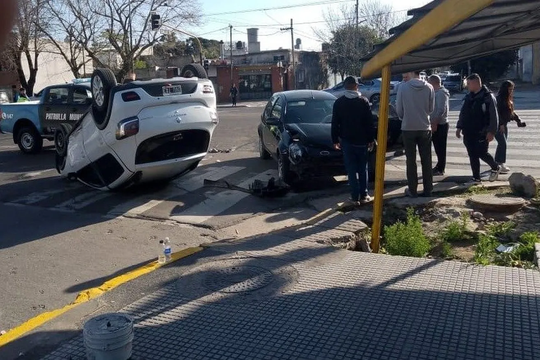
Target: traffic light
206 64
156 21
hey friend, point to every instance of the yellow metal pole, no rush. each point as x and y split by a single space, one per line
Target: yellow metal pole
382 137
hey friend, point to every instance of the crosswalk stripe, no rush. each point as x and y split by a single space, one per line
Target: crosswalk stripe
83 200
218 203
464 160
179 187
35 197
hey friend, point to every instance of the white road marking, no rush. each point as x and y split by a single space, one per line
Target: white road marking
179 187
83 200
218 203
38 196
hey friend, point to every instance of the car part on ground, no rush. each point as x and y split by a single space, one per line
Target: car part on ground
257 188
138 132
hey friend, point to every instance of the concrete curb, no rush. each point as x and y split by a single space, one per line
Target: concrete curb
537 254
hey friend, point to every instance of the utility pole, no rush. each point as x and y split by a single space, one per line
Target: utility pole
292 52
230 27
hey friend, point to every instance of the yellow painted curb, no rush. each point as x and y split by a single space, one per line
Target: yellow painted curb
87 295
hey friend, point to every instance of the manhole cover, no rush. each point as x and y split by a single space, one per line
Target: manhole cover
237 279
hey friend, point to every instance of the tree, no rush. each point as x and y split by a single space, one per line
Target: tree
379 16
491 67
347 46
25 43
121 28
71 28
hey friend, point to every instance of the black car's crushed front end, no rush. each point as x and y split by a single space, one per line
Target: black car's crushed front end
308 161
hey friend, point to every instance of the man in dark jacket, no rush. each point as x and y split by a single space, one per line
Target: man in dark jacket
478 122
439 123
353 132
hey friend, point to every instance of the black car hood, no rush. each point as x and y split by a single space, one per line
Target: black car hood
313 135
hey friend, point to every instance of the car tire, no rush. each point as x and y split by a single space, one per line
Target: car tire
102 82
375 98
60 163
284 173
194 70
29 140
61 139
263 154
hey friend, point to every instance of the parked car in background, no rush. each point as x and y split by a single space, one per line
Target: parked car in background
454 83
32 121
295 130
4 97
371 89
139 132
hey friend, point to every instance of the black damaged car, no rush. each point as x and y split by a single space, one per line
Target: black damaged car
295 130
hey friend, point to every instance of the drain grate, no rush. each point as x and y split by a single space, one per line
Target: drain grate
238 279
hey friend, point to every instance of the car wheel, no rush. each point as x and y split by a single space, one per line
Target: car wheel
263 154
60 163
29 140
61 137
194 70
284 173
376 98
102 82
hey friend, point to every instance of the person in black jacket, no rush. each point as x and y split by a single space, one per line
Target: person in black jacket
478 121
353 132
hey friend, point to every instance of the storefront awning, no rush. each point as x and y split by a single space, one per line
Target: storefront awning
447 32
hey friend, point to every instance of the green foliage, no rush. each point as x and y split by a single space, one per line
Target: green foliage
501 229
446 250
490 67
140 64
348 46
456 230
477 190
407 238
521 256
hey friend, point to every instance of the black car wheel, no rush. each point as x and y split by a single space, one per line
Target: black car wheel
29 140
60 163
194 70
285 174
263 154
375 99
102 82
61 137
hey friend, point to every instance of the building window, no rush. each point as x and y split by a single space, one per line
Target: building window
255 86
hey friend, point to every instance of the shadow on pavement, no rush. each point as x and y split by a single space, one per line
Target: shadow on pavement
14 161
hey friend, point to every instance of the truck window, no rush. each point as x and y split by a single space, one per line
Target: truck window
80 95
57 96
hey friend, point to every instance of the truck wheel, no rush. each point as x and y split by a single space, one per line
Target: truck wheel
29 140
102 82
194 70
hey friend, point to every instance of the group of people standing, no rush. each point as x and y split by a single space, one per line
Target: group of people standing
423 108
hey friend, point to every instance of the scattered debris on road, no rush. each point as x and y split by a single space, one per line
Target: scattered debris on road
257 188
216 151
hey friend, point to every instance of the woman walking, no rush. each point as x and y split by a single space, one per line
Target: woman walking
505 107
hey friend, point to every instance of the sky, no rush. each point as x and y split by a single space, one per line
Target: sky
308 17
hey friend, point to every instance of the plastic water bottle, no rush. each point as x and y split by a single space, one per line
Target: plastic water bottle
167 250
161 253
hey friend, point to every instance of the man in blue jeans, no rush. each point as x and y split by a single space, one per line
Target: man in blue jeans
353 132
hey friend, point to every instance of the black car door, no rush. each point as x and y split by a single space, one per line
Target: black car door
80 100
274 130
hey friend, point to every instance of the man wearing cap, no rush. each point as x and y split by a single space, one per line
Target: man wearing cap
353 132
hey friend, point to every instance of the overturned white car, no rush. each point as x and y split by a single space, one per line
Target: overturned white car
138 132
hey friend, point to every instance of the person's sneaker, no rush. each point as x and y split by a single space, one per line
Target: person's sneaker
494 175
504 169
437 172
475 181
410 194
366 199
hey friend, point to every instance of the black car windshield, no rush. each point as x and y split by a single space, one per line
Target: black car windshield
309 111
455 78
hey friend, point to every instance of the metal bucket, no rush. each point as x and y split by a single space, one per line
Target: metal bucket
108 337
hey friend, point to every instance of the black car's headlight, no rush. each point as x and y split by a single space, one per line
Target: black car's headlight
296 152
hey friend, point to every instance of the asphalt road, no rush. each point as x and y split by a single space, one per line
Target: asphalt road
58 237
